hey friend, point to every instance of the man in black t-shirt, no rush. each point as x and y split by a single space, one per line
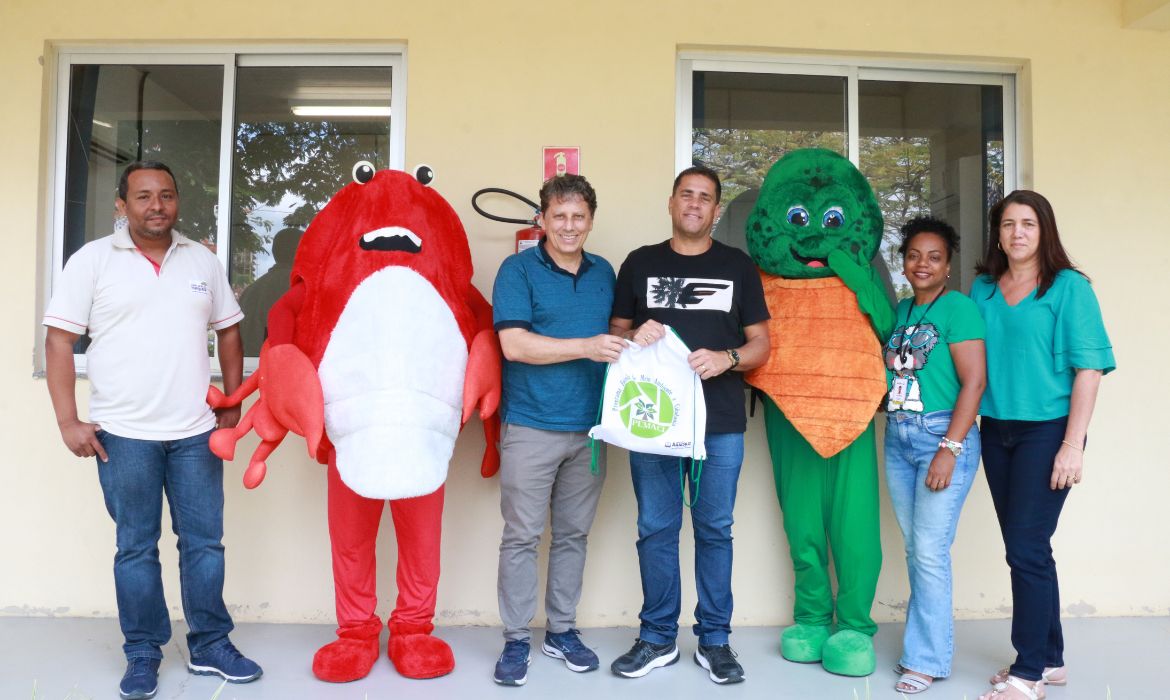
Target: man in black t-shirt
711 295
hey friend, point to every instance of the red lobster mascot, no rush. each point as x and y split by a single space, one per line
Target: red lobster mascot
377 355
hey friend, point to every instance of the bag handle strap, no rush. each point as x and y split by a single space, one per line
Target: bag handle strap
696 464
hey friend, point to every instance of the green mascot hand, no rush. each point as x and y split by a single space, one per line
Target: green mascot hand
863 281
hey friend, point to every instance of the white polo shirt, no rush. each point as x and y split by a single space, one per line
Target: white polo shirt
148 362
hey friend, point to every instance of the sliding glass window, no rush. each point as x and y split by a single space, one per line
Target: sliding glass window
934 142
264 139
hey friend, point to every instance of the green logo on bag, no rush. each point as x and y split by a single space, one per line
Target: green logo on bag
646 409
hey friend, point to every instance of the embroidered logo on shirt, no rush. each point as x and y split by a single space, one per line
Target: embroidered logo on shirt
689 293
200 287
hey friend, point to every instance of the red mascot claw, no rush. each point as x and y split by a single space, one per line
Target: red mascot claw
483 364
290 400
383 340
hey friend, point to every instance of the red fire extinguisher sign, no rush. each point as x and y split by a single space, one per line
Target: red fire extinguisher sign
561 160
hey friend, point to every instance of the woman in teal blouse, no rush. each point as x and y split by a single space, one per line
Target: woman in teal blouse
1046 352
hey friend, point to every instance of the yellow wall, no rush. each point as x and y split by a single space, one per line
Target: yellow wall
489 84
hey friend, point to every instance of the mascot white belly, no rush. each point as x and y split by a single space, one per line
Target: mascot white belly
392 377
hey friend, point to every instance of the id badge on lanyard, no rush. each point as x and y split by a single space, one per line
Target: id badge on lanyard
900 391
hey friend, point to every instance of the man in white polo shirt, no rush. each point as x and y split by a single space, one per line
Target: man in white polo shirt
147 295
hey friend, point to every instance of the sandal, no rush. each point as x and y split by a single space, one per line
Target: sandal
912 683
1015 689
1052 675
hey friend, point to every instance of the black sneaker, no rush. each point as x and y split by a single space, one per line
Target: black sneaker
512 666
720 663
141 679
644 657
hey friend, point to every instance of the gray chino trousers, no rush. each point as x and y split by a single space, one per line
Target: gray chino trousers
544 474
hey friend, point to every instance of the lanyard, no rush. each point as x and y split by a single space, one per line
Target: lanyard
908 330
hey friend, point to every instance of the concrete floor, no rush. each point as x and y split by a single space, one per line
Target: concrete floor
59 658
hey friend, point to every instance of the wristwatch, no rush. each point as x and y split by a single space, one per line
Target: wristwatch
734 357
956 448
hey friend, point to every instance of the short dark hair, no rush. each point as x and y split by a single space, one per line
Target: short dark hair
567 187
1052 256
124 181
929 224
703 171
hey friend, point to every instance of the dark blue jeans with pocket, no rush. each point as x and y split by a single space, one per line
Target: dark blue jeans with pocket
658 487
1018 458
134 481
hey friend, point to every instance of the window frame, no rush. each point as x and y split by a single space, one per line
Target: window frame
853 69
230 58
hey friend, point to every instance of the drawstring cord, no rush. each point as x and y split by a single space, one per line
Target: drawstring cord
696 464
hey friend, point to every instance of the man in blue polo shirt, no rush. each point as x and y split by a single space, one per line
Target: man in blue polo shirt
551 304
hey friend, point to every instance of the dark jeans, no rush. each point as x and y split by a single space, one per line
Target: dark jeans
1018 458
134 480
658 489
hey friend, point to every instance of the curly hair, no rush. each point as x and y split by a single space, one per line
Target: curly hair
929 224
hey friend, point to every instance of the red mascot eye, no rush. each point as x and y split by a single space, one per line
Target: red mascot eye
363 172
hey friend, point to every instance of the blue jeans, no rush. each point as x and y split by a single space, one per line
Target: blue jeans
133 481
659 491
1018 457
928 520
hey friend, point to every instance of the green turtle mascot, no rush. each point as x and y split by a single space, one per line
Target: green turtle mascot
813 232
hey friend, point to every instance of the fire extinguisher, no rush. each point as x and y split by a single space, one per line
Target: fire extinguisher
525 237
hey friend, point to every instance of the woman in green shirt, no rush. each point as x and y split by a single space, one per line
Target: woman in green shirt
935 364
1046 352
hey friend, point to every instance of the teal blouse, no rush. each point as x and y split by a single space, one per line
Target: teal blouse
1035 347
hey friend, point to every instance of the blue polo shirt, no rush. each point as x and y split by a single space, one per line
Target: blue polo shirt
534 293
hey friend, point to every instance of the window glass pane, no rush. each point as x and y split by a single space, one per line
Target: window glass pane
122 113
742 123
299 131
933 149
119 114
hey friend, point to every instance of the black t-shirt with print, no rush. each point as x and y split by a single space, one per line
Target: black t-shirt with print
708 299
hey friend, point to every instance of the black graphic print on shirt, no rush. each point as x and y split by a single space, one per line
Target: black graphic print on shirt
689 293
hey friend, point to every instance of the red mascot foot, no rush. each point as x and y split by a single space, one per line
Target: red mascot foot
351 656
416 654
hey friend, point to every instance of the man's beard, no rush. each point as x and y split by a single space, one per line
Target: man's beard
154 235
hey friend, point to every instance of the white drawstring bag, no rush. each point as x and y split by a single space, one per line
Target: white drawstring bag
653 402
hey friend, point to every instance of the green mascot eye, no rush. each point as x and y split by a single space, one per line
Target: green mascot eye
787 239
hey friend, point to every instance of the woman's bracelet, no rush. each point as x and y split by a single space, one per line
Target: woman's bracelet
1078 449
